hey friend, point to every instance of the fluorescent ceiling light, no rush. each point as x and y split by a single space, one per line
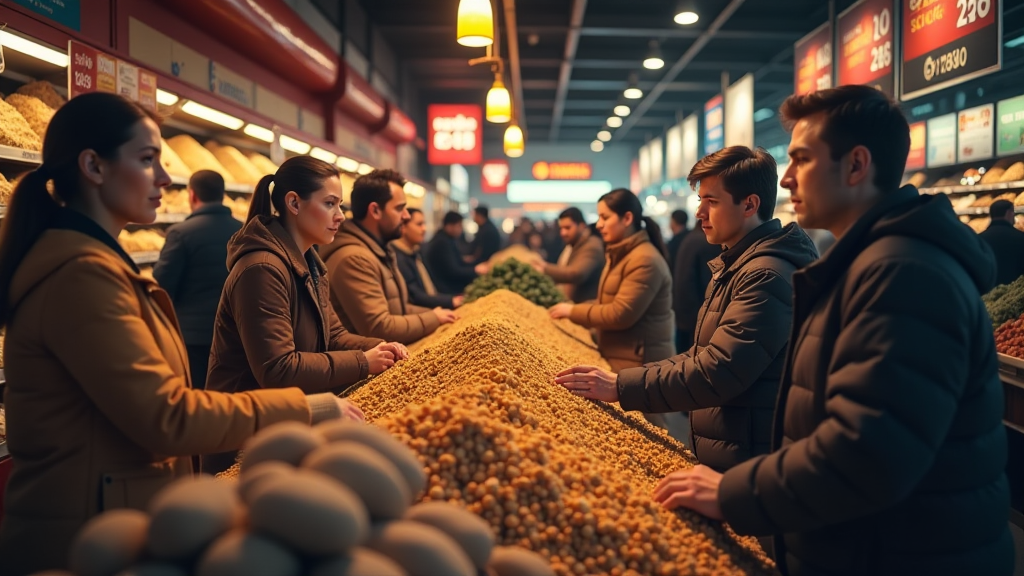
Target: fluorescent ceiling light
325 155
348 164
364 169
259 132
633 93
415 190
292 145
33 49
1018 41
569 191
166 98
686 18
210 115
597 145
622 110
604 135
614 121
763 114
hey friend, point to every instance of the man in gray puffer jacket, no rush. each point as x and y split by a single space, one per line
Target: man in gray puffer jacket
729 380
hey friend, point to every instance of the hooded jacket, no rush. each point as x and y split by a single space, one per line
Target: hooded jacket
580 277
443 259
418 281
369 293
889 449
275 325
100 410
729 380
633 310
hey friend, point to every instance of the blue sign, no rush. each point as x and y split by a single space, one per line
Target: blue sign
714 125
65 12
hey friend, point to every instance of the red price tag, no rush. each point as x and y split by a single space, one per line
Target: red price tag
94 71
82 71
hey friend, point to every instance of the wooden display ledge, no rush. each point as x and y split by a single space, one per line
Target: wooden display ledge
182 182
1011 372
11 155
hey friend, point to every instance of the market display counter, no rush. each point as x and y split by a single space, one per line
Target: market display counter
1011 372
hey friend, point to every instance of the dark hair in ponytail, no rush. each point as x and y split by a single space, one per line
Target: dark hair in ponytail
303 175
100 122
622 201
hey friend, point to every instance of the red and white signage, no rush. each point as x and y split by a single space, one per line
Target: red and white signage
455 134
866 35
94 71
812 57
496 176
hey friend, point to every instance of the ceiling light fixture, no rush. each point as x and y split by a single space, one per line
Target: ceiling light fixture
514 144
325 155
622 110
166 98
210 115
633 92
604 135
499 102
686 13
475 24
348 164
33 49
654 61
597 146
364 169
614 122
259 132
292 145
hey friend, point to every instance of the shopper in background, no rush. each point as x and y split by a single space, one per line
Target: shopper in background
677 223
690 281
422 291
521 232
1006 242
444 261
578 271
192 266
487 239
275 325
729 381
890 450
552 241
535 242
367 290
100 412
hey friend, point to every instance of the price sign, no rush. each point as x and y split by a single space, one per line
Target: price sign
812 57
946 42
976 128
93 71
455 134
496 175
941 141
866 35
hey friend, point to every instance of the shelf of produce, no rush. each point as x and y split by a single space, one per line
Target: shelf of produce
180 182
976 189
144 258
11 155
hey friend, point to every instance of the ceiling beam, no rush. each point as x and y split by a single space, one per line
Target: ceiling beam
410 32
678 67
513 60
572 40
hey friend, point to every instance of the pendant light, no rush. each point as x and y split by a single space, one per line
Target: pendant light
622 110
499 102
686 13
633 92
613 121
476 23
514 145
654 61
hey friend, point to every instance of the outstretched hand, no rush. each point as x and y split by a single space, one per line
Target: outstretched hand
590 382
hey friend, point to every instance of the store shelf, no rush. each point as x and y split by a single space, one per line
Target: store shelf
143 258
171 218
179 182
984 211
1011 370
3 211
11 155
976 189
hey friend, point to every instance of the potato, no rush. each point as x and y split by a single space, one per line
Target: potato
109 543
381 441
368 473
256 475
508 561
189 514
468 530
288 442
360 562
154 569
239 553
310 512
421 550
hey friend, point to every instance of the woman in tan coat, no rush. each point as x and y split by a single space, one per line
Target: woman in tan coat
275 325
100 409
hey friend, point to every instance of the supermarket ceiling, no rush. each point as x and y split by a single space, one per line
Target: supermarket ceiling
573 76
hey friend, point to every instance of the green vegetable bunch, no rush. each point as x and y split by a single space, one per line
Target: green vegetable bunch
1005 302
517 277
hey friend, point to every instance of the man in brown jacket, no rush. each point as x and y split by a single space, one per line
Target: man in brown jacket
367 290
889 451
578 271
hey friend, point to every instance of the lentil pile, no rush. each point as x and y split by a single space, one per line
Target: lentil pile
565 477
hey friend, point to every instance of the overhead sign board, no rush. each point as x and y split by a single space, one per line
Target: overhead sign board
739 113
455 134
812 61
91 70
562 170
495 175
866 39
714 125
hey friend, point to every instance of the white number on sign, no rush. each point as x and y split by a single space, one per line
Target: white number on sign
882 21
971 10
823 56
881 56
83 80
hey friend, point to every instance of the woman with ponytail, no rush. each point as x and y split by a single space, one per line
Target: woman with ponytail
633 310
275 325
100 409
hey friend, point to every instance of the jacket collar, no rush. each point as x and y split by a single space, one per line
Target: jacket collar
210 208
68 219
618 251
299 262
584 237
1000 223
404 247
731 256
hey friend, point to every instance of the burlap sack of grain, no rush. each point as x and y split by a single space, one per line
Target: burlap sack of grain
1014 173
173 163
241 168
262 163
45 92
198 158
16 131
34 111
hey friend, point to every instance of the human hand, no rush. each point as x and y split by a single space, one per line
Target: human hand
400 351
562 310
349 411
696 489
538 265
590 382
381 357
482 268
445 316
458 301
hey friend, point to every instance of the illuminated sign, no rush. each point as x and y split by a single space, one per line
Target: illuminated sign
812 60
866 36
562 170
495 176
455 134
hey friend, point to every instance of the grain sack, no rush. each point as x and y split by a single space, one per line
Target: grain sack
240 167
45 92
196 157
16 131
173 163
262 163
1014 173
34 111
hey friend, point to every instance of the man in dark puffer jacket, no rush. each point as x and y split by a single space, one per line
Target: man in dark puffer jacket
889 447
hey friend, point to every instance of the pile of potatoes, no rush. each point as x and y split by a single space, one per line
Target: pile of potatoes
335 500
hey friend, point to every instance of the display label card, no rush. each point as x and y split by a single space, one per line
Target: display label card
942 141
1010 135
976 128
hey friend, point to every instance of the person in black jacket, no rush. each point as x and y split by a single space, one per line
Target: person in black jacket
487 240
444 261
193 266
678 225
1006 242
422 291
690 279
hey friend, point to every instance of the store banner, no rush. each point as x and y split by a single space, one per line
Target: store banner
691 143
976 131
93 71
714 129
946 42
64 12
634 176
674 153
495 175
866 33
941 141
812 61
561 170
455 134
1010 138
657 161
739 113
645 165
918 146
